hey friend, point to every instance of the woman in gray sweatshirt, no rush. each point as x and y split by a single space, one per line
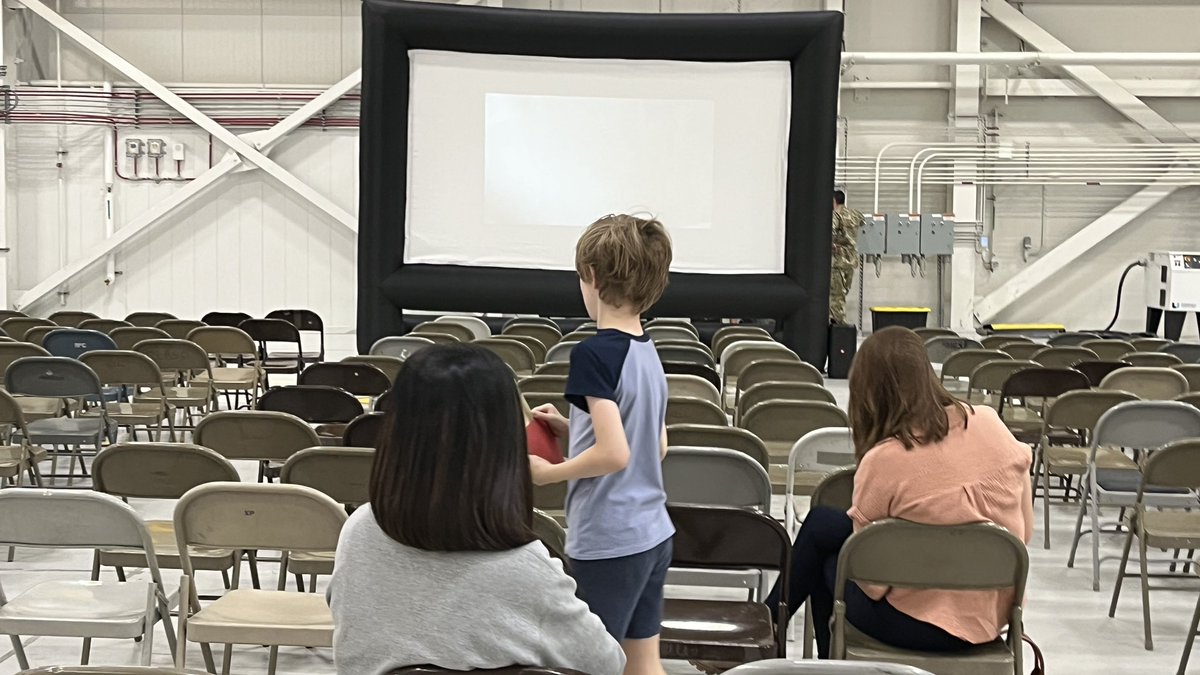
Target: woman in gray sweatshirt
442 568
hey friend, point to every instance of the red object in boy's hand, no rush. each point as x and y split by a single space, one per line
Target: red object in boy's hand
541 441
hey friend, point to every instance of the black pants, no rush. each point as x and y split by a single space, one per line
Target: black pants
814 573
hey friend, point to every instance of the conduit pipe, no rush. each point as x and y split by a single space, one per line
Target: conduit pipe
851 59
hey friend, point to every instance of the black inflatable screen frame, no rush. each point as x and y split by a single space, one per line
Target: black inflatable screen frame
809 41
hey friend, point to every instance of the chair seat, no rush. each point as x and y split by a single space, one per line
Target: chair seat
104 609
166 550
230 378
39 408
65 430
1068 460
306 356
316 562
280 365
185 397
716 630
986 659
134 413
1172 529
246 616
778 451
1128 480
805 481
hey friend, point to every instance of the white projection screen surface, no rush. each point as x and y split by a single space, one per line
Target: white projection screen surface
510 157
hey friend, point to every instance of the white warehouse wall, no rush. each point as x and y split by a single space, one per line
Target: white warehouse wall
251 245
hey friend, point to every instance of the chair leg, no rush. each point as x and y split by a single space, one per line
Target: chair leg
272 659
226 659
1112 608
809 631
1145 594
85 656
312 583
300 582
19 650
1083 504
225 578
120 573
1045 504
1191 638
253 556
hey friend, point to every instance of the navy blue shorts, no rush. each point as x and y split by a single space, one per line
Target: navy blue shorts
626 593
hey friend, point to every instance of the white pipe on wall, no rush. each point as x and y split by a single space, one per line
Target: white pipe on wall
850 59
110 170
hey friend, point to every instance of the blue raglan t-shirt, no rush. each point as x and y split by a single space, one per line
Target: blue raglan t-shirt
623 513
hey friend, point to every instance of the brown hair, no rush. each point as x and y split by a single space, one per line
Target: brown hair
894 393
627 258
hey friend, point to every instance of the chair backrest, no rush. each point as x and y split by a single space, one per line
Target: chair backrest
739 355
724 338
1143 359
535 345
11 351
400 346
552 384
676 322
478 327
148 319
37 334
926 333
940 348
693 344
177 355
343 473
10 313
738 329
70 519
71 318
17 326
1022 350
547 335
1083 409
824 450
1162 384
359 379
390 365
961 363
180 328
899 553
787 391
364 431
681 354
533 320
1192 399
697 369
1108 350
312 403
711 436
1146 425
661 332
1042 382
723 537
73 342
1149 344
109 670
518 357
52 376
1056 356
11 413
254 434
560 352
1186 351
778 370
223 340
991 375
257 516
538 398
687 385
836 489
263 331
551 534
687 410
457 331
226 319
302 319
999 340
116 367
790 667
1073 339
106 326
127 338
715 476
1175 465
158 470
1190 372
788 421
1096 371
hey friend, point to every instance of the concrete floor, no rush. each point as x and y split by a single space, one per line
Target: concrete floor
1066 618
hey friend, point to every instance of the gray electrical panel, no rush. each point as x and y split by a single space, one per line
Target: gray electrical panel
872 235
937 235
903 235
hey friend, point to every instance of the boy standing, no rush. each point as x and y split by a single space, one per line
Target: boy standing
618 530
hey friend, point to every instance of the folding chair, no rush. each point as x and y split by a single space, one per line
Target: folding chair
1109 350
681 368
79 608
689 386
109 670
1139 426
237 372
547 335
980 556
927 333
739 355
330 408
180 329
127 338
724 538
17 326
360 379
147 319
459 332
959 365
364 431
1073 339
940 348
518 357
143 399
1034 387
560 368
478 327
988 378
787 391
1056 356
1187 352
390 365
998 341
677 323
1022 350
552 384
560 352
239 516
672 332
685 354
532 320
781 423
400 347
305 321
1151 384
18 457
836 490
106 326
685 410
224 319
777 370
1190 372
724 338
71 318
74 342
534 345
1148 344
1142 359
267 332
1175 465
730 438
34 407
813 457
191 388
1096 371
255 435
552 535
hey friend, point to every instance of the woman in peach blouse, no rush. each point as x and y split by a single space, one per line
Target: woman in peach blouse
929 458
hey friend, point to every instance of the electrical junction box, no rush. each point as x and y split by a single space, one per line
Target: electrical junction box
903 234
937 234
156 147
134 147
872 236
1173 281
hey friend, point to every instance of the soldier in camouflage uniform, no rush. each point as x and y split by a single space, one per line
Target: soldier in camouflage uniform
846 222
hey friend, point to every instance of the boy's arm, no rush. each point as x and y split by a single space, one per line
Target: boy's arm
610 454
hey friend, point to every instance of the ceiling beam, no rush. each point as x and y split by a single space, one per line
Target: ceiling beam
1042 87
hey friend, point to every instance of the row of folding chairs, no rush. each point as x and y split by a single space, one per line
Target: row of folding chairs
1136 351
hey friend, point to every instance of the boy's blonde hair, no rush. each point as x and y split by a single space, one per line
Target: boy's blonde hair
627 258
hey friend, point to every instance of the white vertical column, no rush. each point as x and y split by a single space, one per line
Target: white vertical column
964 198
9 75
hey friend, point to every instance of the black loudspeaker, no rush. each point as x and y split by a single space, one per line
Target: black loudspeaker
843 342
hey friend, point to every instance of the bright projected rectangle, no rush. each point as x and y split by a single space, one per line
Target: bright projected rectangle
510 157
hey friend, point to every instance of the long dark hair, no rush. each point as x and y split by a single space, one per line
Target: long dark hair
452 472
894 393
